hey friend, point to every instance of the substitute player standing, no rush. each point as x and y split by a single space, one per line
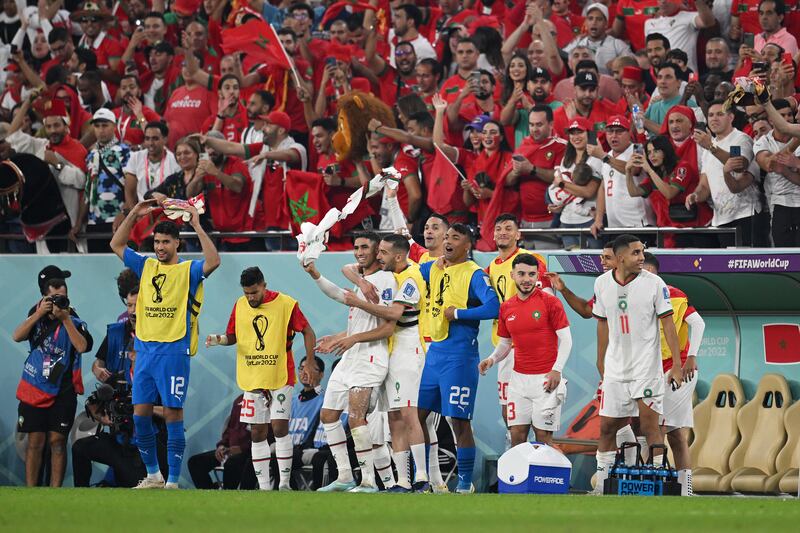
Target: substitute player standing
678 415
167 308
262 325
406 360
629 304
460 297
534 322
355 383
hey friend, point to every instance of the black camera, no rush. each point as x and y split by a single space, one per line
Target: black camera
59 300
114 400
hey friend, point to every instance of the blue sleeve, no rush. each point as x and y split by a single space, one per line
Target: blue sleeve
425 270
196 275
481 288
272 15
134 261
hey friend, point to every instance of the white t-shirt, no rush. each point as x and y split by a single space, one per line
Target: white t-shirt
632 311
149 98
149 174
360 321
779 190
576 210
422 47
727 205
681 31
623 210
606 49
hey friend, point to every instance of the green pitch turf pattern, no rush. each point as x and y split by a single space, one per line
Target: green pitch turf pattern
119 510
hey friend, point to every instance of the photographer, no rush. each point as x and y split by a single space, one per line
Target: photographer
116 354
51 377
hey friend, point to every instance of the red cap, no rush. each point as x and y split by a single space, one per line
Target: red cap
632 73
279 118
579 123
618 121
56 108
186 7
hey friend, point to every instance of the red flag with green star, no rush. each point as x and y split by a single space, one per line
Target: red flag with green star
258 40
781 343
305 198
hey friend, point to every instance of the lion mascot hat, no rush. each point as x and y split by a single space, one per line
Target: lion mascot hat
356 108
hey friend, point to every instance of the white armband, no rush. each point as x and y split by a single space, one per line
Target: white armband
502 350
564 347
331 290
697 327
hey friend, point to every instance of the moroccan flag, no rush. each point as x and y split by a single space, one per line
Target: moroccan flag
258 40
305 198
781 344
444 187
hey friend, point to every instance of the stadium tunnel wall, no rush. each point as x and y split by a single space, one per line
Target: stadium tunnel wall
735 305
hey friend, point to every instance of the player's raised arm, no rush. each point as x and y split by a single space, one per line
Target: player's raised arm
120 239
578 304
352 274
329 289
210 253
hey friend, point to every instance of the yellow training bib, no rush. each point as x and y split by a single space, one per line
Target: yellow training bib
504 286
163 301
409 315
448 287
261 343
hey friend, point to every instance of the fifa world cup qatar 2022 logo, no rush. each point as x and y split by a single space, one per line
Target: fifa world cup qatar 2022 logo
260 325
158 284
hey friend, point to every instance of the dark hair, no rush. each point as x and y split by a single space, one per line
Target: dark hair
508 85
489 42
542 108
266 97
56 283
133 77
155 15
412 12
326 123
484 72
192 143
658 37
92 77
406 43
727 109
582 174
624 241
675 69
369 235
506 217
127 283
251 276
586 64
442 218
304 7
781 103
318 360
463 229
436 67
167 227
663 143
287 31
398 242
424 119
677 53
447 55
58 34
468 40
608 244
525 259
571 155
86 57
57 74
355 21
227 77
160 125
410 104
650 259
780 6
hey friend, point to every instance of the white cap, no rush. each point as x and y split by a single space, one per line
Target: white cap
104 114
597 5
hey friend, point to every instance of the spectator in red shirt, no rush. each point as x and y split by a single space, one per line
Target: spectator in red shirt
231 117
429 74
467 61
155 28
61 49
394 81
132 115
93 19
476 98
586 104
157 82
187 109
337 80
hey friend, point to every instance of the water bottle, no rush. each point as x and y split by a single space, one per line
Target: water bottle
638 119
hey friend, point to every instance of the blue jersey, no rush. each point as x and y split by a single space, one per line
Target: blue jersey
482 304
135 262
305 418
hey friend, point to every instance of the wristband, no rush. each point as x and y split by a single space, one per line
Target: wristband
606 158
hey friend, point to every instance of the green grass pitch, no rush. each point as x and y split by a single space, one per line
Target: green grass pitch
118 510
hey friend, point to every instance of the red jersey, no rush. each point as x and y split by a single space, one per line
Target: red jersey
601 110
393 86
104 47
228 208
231 126
532 190
635 13
531 324
187 110
331 96
338 195
406 166
129 130
297 322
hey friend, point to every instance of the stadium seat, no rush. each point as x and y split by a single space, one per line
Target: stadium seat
763 436
788 462
716 433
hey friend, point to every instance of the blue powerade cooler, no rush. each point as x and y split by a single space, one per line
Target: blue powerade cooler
533 468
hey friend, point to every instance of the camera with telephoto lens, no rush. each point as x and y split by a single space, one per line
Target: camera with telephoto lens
59 300
114 400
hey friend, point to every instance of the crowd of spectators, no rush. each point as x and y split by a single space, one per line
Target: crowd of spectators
566 114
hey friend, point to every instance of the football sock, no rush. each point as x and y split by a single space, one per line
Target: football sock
401 464
645 449
420 472
284 451
146 441
605 460
685 479
433 451
362 441
176 444
337 441
383 465
465 458
261 455
624 435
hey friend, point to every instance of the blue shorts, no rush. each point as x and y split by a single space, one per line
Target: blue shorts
161 376
449 386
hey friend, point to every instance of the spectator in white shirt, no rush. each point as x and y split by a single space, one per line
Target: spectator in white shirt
605 47
406 20
148 168
681 27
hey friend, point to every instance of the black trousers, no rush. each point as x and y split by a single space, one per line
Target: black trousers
104 449
786 226
753 229
238 471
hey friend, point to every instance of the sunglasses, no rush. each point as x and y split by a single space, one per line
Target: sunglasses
402 53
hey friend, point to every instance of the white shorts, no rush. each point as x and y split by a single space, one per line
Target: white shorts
337 392
378 424
529 404
504 370
367 369
678 411
620 398
256 409
401 387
